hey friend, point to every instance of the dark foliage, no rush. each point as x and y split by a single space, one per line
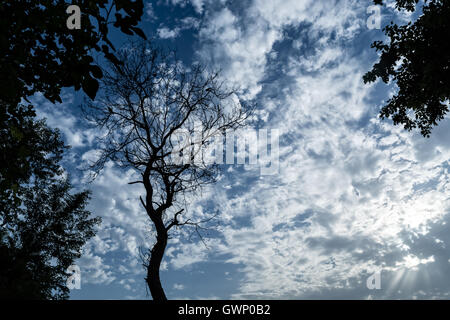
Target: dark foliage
41 239
28 148
43 224
417 59
38 53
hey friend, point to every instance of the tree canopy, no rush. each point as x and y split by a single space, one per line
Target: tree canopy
28 148
41 239
43 223
38 53
417 59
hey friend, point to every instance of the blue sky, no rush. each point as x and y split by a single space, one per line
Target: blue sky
354 195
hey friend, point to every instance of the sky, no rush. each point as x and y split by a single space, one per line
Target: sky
352 197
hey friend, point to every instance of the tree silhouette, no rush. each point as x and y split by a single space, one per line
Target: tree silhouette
28 148
417 59
43 224
144 105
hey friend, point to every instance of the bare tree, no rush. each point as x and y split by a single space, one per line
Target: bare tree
143 106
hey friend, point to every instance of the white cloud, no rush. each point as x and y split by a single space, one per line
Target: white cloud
166 33
150 11
59 116
198 5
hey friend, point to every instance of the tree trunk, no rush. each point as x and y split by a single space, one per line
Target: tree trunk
153 280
